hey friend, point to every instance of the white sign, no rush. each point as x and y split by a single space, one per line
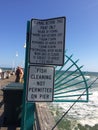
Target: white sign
40 83
47 41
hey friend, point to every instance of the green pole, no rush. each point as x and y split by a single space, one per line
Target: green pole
28 109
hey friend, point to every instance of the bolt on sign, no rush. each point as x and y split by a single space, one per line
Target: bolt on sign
40 83
47 41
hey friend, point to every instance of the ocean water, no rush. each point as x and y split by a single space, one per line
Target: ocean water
7 69
84 114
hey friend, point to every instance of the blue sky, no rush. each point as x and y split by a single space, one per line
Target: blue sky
81 28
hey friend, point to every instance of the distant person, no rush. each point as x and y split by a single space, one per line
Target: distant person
19 74
0 73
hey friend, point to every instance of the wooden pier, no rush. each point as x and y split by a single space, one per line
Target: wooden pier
44 118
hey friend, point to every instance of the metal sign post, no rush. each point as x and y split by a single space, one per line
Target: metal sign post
45 46
27 108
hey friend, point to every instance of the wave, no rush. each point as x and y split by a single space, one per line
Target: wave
71 123
85 114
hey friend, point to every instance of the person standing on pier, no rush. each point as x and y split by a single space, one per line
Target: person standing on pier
19 74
